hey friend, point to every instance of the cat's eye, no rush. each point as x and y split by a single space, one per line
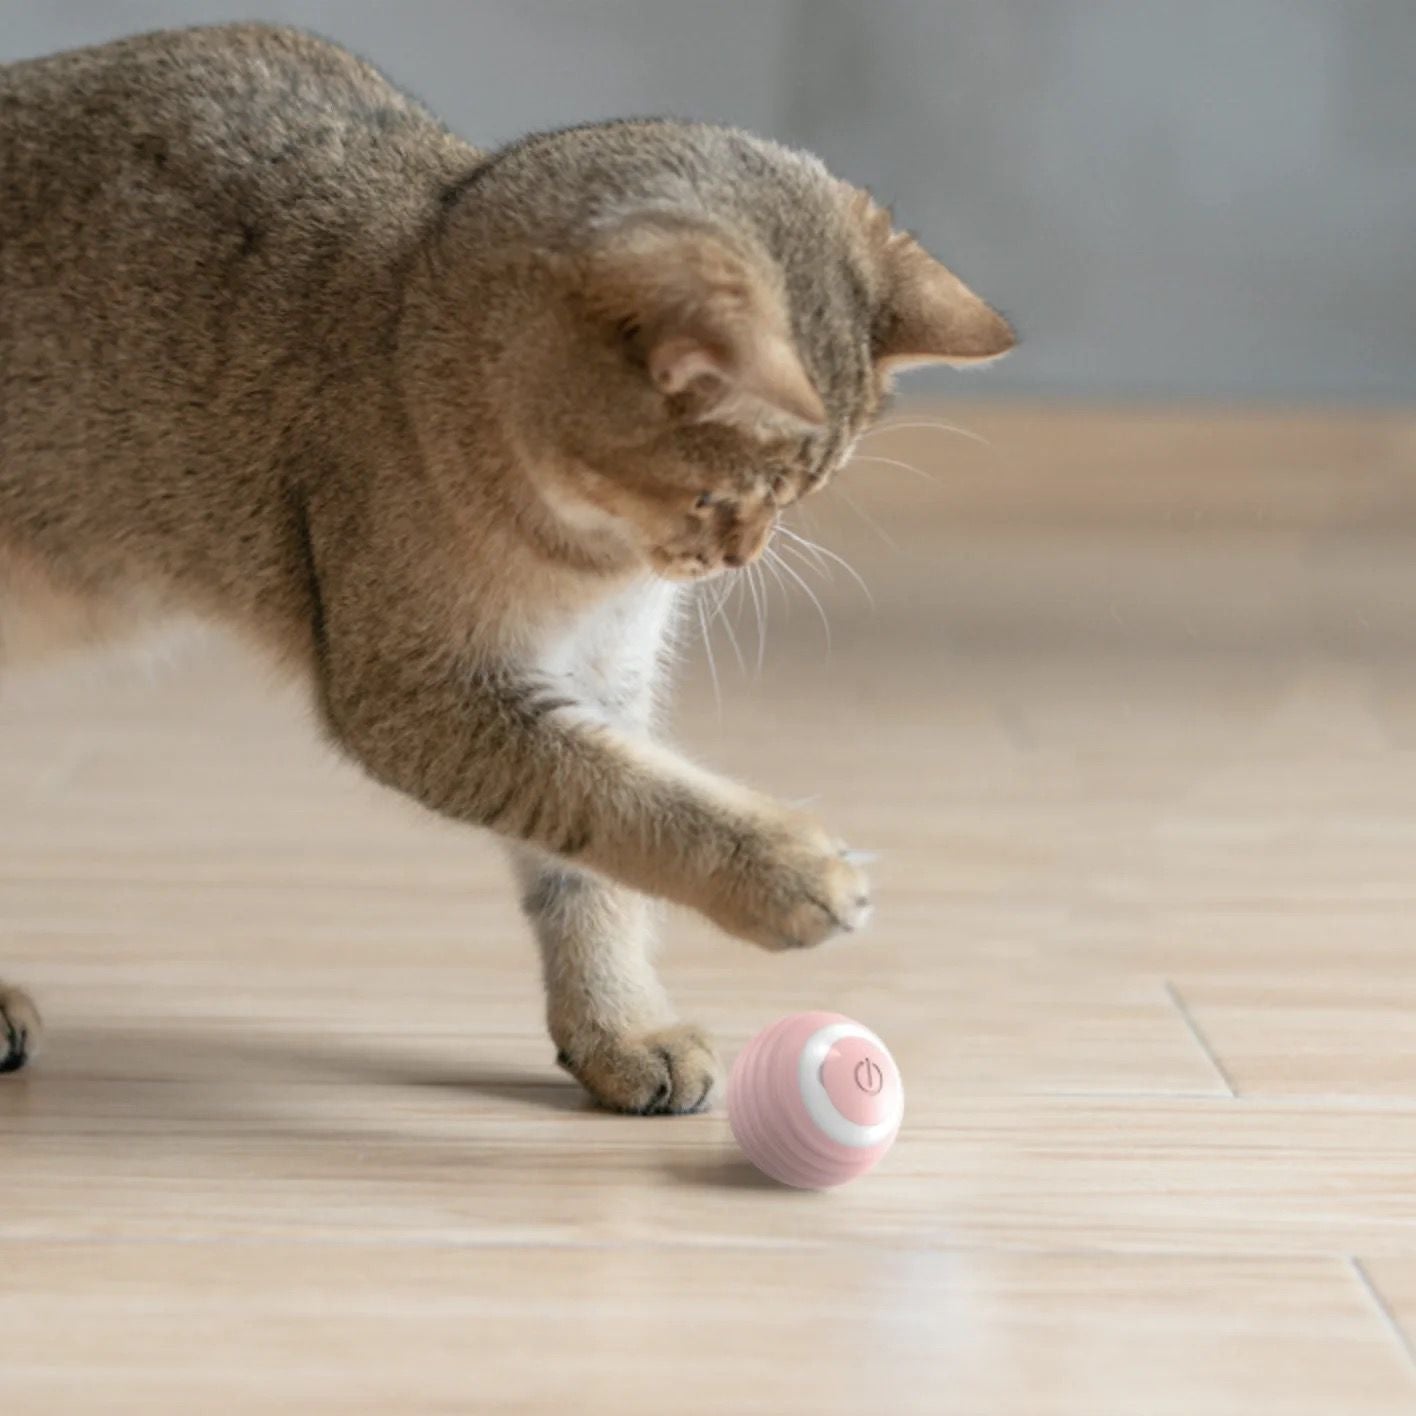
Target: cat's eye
703 501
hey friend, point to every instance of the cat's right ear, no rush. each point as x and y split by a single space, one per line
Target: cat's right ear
927 314
706 324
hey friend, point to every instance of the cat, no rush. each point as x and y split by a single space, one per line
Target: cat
450 432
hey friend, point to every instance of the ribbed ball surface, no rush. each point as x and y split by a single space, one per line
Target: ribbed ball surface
770 1120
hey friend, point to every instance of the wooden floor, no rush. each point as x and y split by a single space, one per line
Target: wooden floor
1132 723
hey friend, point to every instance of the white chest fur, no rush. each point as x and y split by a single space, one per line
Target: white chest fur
609 656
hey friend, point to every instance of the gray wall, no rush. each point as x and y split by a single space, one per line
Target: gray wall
1172 197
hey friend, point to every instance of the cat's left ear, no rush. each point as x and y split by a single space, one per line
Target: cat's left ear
707 321
928 314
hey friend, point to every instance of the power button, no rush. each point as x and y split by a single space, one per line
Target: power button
860 1080
868 1076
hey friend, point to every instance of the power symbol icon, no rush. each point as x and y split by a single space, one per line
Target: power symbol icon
868 1076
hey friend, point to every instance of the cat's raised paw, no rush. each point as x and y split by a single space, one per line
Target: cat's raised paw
19 1028
795 887
671 1072
836 901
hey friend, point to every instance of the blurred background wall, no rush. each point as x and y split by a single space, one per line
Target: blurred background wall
1173 198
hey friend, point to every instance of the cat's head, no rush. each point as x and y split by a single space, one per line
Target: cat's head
726 318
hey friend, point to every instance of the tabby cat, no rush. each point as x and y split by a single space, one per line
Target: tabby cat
450 432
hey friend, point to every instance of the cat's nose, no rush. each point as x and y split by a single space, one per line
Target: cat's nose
745 545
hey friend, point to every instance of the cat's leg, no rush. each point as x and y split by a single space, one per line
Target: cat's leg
612 1023
19 1028
504 745
505 751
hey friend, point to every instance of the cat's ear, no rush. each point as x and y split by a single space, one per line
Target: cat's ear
708 323
738 368
933 317
928 314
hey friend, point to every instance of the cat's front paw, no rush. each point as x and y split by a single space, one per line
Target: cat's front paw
19 1029
670 1072
791 886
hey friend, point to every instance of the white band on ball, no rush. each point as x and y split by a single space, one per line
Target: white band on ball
818 1103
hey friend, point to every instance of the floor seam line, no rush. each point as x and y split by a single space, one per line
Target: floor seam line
1384 1311
1201 1041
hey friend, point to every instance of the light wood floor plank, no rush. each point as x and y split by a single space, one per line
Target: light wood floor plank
175 1326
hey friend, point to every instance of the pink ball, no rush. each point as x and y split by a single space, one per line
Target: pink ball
815 1100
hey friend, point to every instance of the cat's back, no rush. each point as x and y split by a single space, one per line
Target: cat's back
201 233
235 122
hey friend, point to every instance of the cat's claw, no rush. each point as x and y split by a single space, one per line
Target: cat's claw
840 906
794 888
859 857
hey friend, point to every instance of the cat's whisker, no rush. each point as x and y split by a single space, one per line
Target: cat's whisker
738 655
716 592
769 562
810 546
766 606
894 462
718 611
795 552
807 544
761 615
810 595
822 568
708 649
866 517
726 588
931 424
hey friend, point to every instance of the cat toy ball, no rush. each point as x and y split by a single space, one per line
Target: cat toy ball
815 1100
